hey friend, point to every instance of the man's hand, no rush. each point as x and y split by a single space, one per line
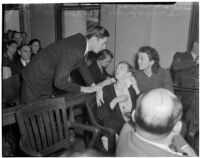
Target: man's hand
99 97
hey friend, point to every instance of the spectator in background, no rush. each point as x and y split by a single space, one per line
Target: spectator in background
156 128
25 56
35 46
9 57
17 37
24 38
98 67
53 65
8 35
150 75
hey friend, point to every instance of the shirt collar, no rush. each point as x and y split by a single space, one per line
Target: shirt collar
193 55
162 146
24 62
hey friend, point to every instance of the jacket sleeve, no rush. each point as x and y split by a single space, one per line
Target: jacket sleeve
167 81
67 63
85 73
178 64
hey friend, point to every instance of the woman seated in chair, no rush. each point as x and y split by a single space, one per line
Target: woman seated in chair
119 98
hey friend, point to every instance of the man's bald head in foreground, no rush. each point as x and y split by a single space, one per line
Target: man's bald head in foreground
158 111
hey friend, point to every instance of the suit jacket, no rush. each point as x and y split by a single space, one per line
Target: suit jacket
17 67
52 67
184 66
130 145
96 73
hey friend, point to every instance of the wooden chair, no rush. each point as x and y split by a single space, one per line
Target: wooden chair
45 128
104 131
11 90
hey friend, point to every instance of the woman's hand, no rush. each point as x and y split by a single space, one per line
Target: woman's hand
121 98
132 81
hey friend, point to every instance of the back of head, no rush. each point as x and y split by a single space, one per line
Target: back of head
158 111
103 54
97 31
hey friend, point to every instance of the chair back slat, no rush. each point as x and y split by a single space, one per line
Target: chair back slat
44 125
30 134
65 123
59 126
36 132
42 130
47 128
53 126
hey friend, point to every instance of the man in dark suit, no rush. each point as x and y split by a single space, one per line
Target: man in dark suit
53 65
25 55
156 128
186 73
186 67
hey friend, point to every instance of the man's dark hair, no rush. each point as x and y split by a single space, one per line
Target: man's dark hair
97 31
103 54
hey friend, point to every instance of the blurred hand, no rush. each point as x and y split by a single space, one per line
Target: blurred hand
99 97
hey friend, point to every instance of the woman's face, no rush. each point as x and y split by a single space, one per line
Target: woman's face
143 61
12 48
121 71
35 47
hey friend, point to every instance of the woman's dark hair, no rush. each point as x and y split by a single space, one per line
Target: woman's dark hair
103 54
130 67
35 40
153 55
97 31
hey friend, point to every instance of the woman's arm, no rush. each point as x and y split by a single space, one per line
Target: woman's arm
132 81
167 81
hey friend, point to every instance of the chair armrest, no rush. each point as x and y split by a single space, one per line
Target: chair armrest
26 150
93 129
108 132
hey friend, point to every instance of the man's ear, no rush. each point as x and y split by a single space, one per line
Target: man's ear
177 128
